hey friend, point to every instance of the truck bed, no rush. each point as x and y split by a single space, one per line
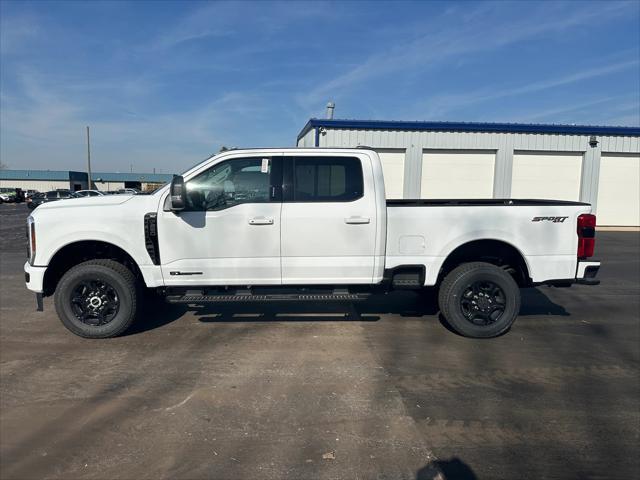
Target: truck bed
542 231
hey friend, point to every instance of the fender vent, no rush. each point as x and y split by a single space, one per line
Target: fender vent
151 237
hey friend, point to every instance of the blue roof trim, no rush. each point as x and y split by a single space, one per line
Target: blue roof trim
468 127
34 175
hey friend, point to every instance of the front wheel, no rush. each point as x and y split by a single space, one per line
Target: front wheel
97 299
479 300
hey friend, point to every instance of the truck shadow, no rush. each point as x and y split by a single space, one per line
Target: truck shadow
156 313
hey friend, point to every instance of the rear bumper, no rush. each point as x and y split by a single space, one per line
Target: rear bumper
585 275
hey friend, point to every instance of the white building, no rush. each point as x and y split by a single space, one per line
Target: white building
598 165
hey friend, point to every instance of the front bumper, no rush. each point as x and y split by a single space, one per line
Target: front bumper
34 277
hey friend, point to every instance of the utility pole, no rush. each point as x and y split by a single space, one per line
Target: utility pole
89 160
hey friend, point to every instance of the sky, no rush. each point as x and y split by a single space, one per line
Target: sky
165 84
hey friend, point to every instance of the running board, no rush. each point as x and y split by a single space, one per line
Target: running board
195 297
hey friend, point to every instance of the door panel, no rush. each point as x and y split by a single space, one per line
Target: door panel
327 242
229 232
553 176
221 248
457 174
619 190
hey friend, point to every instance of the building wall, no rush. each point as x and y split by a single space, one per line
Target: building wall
505 146
106 186
40 185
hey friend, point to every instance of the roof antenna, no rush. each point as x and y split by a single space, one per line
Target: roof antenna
330 107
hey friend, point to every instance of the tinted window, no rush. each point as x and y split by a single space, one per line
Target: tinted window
242 180
52 194
327 179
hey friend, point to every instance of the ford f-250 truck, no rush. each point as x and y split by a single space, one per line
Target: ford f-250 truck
298 225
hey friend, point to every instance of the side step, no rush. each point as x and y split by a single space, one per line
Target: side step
198 296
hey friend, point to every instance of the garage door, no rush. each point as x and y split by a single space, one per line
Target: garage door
619 190
393 170
554 176
457 174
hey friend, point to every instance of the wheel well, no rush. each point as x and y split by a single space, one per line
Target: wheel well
495 252
78 252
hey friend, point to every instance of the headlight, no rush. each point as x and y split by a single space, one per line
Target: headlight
31 234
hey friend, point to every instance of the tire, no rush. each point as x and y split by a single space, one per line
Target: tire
117 291
479 300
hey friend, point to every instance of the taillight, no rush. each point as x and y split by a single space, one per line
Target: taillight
586 235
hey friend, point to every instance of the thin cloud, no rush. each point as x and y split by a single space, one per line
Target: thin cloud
443 104
430 49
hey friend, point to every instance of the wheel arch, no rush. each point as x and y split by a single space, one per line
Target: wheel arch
490 250
80 251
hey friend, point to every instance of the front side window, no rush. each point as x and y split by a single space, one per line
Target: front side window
230 183
327 179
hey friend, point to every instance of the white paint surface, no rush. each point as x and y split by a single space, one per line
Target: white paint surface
457 174
619 190
393 169
542 175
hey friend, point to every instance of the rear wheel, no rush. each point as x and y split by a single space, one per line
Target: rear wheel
479 300
97 299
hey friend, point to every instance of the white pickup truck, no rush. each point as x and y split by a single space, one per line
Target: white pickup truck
298 225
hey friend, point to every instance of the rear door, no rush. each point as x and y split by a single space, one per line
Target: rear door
328 220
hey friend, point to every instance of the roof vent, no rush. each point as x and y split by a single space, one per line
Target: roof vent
330 107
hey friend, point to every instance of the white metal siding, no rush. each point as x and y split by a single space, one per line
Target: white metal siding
546 175
457 174
393 170
106 186
619 190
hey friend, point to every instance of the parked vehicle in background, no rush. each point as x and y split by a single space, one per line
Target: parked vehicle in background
51 196
291 225
30 193
34 200
128 191
88 193
20 196
7 195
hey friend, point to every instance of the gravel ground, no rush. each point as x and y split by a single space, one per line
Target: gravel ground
236 393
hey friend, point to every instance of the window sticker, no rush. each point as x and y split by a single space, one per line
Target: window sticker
265 166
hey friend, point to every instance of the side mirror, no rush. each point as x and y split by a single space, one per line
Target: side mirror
177 193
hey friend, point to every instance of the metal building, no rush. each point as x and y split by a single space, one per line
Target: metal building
598 165
45 180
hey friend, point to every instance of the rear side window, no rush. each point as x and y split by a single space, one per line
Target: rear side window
326 179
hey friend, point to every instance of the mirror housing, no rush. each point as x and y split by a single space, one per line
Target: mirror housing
177 193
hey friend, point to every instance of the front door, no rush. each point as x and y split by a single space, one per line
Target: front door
229 231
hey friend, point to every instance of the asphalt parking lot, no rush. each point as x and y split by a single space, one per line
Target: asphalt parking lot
228 393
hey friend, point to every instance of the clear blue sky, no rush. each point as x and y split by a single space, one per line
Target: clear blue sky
165 84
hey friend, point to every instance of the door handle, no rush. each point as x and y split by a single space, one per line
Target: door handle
261 221
357 220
